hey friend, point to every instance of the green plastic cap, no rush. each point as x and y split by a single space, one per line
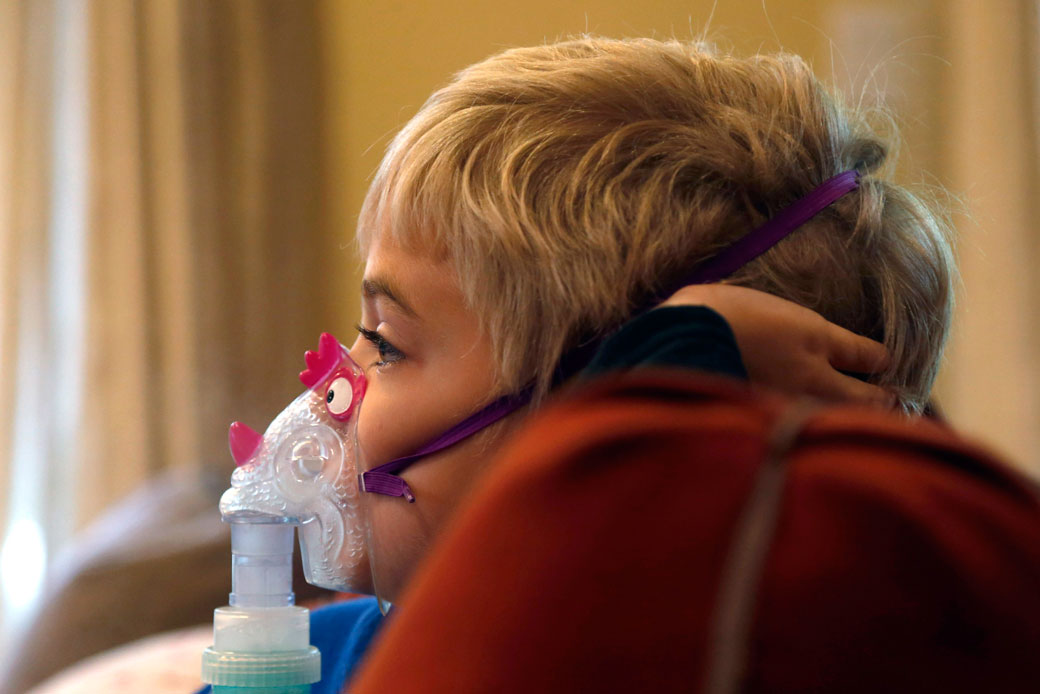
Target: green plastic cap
277 669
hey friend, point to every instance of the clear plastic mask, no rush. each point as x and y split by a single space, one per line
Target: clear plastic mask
304 470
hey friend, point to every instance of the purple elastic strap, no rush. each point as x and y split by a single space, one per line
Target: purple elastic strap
760 240
383 479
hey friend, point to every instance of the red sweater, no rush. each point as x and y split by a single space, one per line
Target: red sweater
672 532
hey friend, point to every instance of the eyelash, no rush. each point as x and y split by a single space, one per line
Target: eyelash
388 354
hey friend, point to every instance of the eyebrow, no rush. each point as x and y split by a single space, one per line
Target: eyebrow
383 287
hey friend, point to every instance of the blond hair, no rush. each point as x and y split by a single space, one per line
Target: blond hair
567 183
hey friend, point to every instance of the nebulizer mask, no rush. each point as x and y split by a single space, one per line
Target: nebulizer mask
300 474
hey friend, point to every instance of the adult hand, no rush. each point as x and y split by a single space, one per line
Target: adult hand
791 348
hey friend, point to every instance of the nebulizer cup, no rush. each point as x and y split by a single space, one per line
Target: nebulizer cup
261 639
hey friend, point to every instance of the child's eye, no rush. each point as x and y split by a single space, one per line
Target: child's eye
388 354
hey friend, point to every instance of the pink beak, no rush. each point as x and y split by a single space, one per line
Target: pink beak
243 442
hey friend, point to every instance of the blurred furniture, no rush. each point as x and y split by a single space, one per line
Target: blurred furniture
163 664
156 562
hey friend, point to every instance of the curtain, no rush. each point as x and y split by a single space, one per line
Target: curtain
179 293
991 385
205 268
27 434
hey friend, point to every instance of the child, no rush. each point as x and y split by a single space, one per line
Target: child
549 195
540 198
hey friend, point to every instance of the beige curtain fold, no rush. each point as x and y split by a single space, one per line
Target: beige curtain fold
11 122
991 384
26 64
205 230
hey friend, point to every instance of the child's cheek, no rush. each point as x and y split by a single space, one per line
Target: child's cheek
371 433
388 428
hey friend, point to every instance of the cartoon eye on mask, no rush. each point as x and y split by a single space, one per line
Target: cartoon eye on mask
341 395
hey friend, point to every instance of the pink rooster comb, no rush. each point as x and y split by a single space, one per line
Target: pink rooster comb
323 362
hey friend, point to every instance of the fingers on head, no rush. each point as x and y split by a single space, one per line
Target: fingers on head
839 388
852 352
